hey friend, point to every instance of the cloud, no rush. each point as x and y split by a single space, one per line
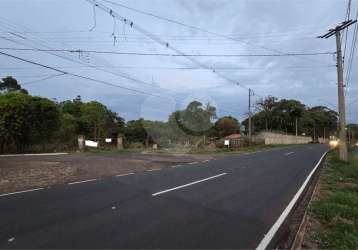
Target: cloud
262 26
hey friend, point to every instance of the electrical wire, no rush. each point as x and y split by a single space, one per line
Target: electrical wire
348 13
42 79
161 41
170 55
183 68
192 27
122 75
76 75
352 53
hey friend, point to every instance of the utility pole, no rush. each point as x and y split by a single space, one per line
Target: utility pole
250 125
296 126
343 151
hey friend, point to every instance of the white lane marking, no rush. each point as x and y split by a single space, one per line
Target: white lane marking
176 166
20 192
189 184
271 233
120 175
290 153
205 161
45 154
79 182
192 163
11 239
155 169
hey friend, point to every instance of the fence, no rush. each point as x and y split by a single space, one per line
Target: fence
274 138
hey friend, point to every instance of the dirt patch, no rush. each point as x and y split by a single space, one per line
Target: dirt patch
24 172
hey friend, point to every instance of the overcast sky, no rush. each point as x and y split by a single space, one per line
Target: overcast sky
259 27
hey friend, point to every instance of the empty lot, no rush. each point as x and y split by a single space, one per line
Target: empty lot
23 172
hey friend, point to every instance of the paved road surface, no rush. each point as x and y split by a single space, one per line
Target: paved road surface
226 203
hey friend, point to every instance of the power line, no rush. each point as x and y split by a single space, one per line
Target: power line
130 23
182 68
190 26
76 75
348 13
79 51
82 63
83 77
42 79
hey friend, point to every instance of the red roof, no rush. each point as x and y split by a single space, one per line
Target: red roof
233 136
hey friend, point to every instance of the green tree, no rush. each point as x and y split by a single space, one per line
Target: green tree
267 107
10 84
196 119
94 116
227 125
136 132
26 121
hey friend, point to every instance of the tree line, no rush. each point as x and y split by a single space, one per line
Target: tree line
33 124
288 115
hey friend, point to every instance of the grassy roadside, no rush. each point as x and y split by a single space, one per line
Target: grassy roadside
334 210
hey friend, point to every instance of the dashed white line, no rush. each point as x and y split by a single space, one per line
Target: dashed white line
176 166
192 163
290 153
44 154
155 169
120 175
20 192
189 184
11 239
79 182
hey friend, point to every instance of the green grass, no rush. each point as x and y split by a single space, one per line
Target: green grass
337 207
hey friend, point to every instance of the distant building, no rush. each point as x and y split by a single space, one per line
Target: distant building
234 140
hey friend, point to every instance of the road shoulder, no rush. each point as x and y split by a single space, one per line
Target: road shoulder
332 220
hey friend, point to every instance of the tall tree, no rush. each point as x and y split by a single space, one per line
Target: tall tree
267 107
10 84
26 121
227 125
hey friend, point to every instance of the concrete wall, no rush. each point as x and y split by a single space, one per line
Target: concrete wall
273 138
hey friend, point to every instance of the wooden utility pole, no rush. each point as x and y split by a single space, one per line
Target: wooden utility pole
250 125
343 151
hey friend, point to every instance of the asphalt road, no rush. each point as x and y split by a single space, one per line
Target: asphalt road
227 203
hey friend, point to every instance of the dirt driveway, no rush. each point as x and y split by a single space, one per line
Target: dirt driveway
24 172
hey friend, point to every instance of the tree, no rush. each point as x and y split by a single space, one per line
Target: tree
320 121
135 132
94 116
267 107
10 84
227 125
26 121
45 120
196 119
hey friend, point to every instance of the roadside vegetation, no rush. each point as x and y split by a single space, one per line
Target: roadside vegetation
334 211
31 124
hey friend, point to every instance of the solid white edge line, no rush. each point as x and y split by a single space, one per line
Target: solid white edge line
120 175
45 154
19 192
79 182
189 184
271 233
